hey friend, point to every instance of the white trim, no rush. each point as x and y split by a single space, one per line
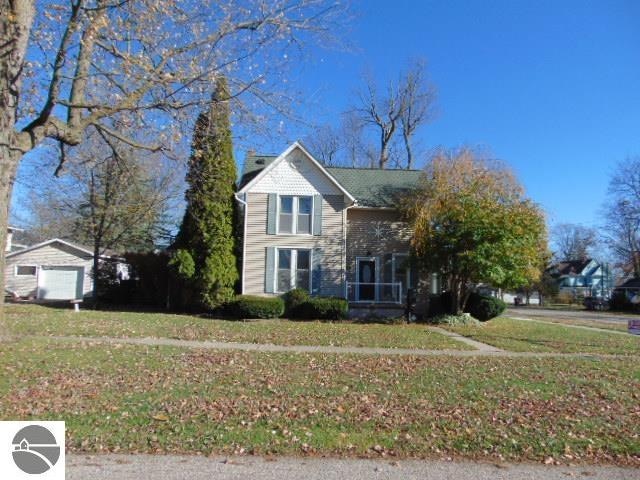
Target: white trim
244 238
293 267
49 242
285 154
16 274
364 207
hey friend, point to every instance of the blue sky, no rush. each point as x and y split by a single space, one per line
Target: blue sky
550 87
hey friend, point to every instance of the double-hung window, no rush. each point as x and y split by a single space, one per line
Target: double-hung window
294 269
294 214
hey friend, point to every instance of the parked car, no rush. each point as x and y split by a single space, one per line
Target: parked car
596 303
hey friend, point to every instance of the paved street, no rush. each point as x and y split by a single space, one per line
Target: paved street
542 313
168 467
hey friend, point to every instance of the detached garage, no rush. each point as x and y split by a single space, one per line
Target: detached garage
52 270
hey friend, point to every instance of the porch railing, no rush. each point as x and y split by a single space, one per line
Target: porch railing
374 292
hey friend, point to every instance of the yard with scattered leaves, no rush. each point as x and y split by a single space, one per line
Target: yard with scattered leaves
42 320
164 399
524 336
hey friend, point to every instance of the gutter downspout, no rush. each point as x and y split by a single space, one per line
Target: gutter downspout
244 237
344 244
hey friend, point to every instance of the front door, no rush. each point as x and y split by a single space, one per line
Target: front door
366 279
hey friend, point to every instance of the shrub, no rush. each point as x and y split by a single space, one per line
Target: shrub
292 301
564 298
620 302
484 307
250 306
322 308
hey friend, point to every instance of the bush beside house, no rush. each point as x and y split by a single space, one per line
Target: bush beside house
250 306
483 307
480 307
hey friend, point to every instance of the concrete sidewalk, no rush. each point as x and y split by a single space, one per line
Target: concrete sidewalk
171 467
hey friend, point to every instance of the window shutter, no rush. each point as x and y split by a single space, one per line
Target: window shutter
317 214
269 270
316 271
272 211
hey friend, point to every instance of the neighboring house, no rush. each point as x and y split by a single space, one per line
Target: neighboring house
581 278
332 231
630 287
51 270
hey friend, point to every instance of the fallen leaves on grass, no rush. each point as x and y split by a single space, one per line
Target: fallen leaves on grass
168 400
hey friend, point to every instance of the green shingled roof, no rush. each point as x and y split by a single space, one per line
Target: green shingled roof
371 187
252 165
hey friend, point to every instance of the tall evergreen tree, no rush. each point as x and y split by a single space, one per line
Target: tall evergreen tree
206 239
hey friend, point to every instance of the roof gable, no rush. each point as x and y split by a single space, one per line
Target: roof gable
370 187
295 171
82 250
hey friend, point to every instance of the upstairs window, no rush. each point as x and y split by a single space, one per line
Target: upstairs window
285 217
294 215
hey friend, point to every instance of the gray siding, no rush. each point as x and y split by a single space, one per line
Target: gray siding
331 242
55 254
374 233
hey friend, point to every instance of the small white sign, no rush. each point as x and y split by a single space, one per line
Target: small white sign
32 450
634 326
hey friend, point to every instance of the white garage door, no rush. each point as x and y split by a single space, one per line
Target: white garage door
60 283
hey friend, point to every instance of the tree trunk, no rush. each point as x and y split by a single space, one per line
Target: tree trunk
407 144
8 169
384 155
16 18
96 274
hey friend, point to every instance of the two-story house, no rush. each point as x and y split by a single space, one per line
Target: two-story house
581 278
332 231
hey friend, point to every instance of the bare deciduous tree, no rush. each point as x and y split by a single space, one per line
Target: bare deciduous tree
622 215
67 65
573 242
418 98
383 113
325 143
406 105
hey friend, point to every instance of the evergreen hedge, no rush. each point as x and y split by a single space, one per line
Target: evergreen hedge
251 306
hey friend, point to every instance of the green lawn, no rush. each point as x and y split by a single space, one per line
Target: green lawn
523 336
170 400
40 320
